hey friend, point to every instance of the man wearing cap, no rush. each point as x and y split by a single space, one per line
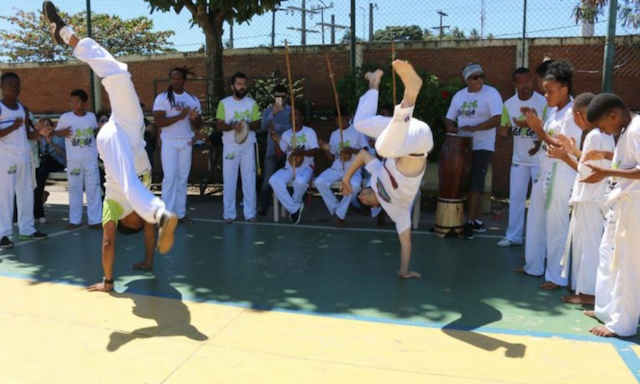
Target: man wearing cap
238 148
475 111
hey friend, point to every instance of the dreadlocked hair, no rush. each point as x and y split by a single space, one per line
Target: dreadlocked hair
185 71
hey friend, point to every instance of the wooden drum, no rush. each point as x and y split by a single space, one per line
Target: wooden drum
453 174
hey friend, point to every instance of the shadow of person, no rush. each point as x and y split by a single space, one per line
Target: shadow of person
475 316
171 314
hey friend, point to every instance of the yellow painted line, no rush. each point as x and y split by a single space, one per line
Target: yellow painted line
59 333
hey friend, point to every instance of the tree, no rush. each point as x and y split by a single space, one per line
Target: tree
399 33
474 35
629 12
31 40
456 34
210 16
346 38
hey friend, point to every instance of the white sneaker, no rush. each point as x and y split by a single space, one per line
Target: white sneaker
507 243
43 220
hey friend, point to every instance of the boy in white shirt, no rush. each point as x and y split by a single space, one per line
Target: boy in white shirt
341 154
177 113
524 165
78 126
617 294
299 153
405 142
128 204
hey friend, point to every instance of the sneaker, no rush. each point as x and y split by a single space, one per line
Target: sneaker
37 235
166 227
479 226
54 21
185 220
297 216
43 220
71 226
467 232
228 221
507 243
253 220
95 226
5 243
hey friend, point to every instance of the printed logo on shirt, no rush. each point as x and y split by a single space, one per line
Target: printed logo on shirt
83 138
523 132
13 169
242 115
468 109
382 192
301 141
75 172
145 177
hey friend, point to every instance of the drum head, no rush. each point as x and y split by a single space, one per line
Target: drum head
243 133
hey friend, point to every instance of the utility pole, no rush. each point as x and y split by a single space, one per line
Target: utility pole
96 101
303 11
371 7
333 26
321 9
482 15
441 27
352 58
231 34
273 26
610 48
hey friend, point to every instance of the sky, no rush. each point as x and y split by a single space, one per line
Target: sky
502 19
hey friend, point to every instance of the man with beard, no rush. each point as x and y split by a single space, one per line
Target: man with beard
235 113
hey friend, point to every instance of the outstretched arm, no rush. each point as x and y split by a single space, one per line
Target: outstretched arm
405 256
363 158
108 255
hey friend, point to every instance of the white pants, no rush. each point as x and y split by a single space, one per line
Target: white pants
243 157
617 290
585 245
401 139
535 248
323 184
557 190
518 186
84 175
15 180
176 165
122 140
278 183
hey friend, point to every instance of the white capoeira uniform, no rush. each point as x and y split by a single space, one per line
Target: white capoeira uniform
15 174
617 291
524 167
82 166
120 141
177 148
587 218
238 156
351 138
397 136
306 139
553 193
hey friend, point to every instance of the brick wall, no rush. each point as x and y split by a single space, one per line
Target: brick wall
45 87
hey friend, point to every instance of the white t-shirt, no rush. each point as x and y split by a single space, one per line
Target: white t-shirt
523 138
559 122
16 142
472 108
81 146
627 156
395 202
584 192
351 138
180 129
306 139
231 111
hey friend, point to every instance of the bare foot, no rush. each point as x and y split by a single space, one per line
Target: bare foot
142 266
374 78
411 80
591 314
602 331
549 286
339 222
409 275
578 299
101 287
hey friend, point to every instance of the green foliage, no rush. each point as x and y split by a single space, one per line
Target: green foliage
32 41
431 107
399 33
628 12
240 11
261 90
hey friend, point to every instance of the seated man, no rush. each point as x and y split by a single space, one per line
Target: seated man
128 203
300 152
404 142
341 150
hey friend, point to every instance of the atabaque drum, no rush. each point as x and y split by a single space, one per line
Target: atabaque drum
453 174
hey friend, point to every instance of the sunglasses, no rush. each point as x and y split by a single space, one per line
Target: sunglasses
477 77
103 120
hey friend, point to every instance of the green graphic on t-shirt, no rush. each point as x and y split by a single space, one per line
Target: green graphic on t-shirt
83 137
344 144
12 169
242 115
301 140
468 109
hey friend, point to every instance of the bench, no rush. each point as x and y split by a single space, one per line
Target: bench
59 176
337 186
